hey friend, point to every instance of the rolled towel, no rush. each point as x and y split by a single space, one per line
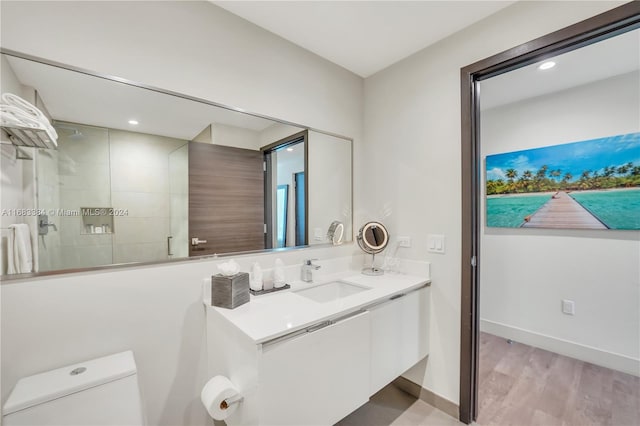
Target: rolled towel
13 116
19 251
30 109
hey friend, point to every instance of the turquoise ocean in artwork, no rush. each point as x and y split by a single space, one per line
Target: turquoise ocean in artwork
618 209
510 211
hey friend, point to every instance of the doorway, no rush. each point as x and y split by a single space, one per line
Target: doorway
286 188
606 25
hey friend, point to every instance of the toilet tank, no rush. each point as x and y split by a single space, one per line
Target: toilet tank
102 391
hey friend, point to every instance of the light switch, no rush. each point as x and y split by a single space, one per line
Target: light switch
435 243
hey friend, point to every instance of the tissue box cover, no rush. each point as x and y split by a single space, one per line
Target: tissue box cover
230 292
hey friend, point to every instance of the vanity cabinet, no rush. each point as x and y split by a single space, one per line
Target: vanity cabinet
320 374
319 377
399 336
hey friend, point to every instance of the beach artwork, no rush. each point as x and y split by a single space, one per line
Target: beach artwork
593 184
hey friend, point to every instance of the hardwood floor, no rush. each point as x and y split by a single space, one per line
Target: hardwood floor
522 385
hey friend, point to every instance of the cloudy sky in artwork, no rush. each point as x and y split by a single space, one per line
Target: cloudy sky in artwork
593 155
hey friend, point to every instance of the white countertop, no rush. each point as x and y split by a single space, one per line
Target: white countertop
275 314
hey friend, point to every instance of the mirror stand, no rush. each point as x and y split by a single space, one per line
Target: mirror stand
372 270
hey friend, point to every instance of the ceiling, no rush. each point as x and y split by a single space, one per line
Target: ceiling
608 58
80 98
363 36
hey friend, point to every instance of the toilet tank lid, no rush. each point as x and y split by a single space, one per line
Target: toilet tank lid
43 387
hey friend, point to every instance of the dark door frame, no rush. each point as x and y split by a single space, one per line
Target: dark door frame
300 137
599 27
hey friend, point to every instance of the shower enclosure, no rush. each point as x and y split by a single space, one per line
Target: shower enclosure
114 196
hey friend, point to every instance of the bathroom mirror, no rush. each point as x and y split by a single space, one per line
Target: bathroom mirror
336 233
373 239
145 175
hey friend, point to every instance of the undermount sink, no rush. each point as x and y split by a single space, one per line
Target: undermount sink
331 291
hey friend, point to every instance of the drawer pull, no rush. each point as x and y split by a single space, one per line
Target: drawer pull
318 326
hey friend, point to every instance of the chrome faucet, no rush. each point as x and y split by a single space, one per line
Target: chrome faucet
307 270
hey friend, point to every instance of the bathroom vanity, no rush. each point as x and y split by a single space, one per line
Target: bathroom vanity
313 354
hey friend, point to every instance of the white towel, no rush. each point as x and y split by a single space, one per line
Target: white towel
29 109
12 116
19 252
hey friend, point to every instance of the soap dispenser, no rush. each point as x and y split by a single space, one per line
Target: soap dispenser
278 274
255 283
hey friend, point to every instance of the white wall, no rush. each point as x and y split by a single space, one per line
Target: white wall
276 132
329 176
412 157
156 311
224 134
524 275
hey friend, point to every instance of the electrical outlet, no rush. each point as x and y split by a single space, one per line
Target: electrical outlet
404 241
568 307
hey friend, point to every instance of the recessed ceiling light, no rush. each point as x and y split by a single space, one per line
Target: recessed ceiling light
133 122
547 65
289 149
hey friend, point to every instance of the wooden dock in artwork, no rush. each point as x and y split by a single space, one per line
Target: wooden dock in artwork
562 211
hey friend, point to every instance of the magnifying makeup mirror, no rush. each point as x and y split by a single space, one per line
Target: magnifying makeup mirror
373 238
336 232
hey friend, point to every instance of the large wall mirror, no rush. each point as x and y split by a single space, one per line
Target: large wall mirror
141 175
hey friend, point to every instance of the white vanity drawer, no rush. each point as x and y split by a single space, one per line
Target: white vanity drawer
319 377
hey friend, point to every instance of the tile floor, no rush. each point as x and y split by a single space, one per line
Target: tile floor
392 406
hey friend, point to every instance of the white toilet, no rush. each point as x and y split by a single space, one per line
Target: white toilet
102 391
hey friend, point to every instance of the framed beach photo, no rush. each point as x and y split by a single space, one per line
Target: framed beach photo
593 184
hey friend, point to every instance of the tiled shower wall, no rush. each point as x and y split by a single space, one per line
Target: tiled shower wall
100 167
140 184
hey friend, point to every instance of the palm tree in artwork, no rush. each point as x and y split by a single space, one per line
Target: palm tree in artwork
625 168
525 180
511 174
566 178
555 173
542 172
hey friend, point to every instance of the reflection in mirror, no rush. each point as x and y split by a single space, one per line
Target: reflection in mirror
373 239
282 206
285 168
336 232
144 176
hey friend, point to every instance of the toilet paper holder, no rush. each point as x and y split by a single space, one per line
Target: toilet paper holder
227 402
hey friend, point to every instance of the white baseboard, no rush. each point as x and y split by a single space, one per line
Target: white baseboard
564 347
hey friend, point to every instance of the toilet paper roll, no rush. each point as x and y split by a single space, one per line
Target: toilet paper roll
214 394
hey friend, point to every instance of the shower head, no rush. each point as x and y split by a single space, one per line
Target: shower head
68 131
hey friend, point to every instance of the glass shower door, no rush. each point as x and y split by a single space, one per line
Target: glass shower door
178 238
